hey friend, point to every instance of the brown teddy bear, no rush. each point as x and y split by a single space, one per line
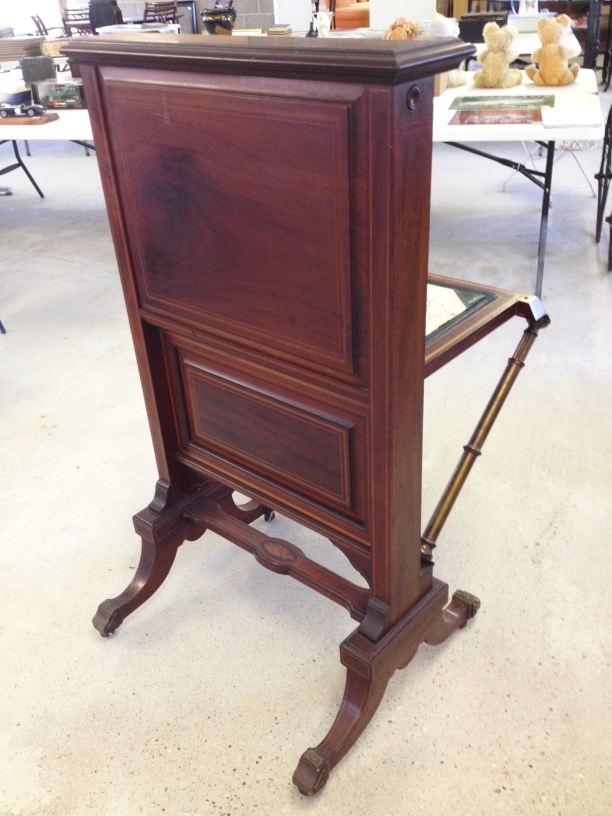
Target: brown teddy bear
401 29
553 55
496 71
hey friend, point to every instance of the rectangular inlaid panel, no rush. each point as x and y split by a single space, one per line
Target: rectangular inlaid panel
285 440
238 213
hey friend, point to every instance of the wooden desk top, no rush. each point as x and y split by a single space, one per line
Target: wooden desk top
351 60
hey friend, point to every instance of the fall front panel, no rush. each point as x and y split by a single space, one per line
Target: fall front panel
238 214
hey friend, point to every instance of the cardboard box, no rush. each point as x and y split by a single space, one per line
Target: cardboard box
56 94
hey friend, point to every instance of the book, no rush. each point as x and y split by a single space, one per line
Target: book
497 117
12 49
280 30
473 103
572 117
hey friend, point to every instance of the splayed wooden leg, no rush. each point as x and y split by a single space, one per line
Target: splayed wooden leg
161 534
154 566
361 699
369 667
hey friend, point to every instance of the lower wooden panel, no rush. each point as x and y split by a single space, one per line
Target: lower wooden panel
292 443
269 431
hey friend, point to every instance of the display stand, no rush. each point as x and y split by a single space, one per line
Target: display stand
269 204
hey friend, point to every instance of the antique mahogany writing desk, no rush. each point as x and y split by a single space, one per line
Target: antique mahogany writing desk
269 204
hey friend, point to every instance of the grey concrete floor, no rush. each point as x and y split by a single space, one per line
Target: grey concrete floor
204 700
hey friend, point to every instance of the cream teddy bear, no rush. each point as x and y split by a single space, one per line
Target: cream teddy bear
496 71
438 28
552 57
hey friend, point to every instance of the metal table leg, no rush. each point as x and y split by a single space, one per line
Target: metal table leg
543 179
604 176
87 145
544 219
20 163
606 71
591 48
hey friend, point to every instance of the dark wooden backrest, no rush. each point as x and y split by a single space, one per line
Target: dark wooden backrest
76 22
270 209
161 12
40 26
42 29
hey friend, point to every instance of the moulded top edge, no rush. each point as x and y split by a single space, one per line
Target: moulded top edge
352 60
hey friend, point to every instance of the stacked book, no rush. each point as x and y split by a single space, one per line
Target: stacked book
13 49
280 30
52 48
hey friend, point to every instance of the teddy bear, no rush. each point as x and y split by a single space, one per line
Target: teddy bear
552 57
496 71
401 29
440 27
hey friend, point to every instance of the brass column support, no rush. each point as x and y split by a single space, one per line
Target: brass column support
474 447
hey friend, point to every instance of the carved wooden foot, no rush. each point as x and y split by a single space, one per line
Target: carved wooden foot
369 667
154 566
462 607
161 534
361 699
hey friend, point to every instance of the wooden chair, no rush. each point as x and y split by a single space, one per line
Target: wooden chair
161 12
42 29
76 22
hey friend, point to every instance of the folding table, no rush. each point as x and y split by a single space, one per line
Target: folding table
72 125
577 100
